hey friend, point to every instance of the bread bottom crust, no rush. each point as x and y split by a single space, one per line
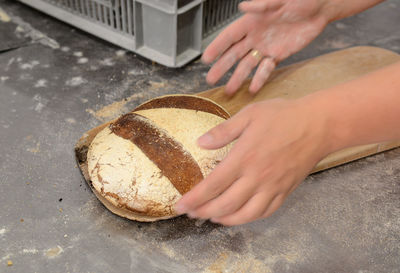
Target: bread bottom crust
127 213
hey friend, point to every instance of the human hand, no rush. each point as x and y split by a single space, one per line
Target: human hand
277 144
268 32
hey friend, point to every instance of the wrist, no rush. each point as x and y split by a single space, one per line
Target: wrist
339 9
330 11
330 132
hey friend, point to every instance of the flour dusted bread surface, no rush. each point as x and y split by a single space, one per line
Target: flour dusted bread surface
146 160
186 130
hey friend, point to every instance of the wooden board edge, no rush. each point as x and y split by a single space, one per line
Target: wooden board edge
357 152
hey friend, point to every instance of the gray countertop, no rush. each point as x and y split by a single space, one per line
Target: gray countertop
57 82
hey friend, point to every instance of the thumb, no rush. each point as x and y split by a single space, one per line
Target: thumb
224 133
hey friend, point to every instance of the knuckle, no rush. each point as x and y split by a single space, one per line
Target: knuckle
230 58
265 175
201 213
213 189
227 206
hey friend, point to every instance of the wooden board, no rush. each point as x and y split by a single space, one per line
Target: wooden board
292 82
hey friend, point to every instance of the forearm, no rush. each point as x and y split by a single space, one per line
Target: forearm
362 111
338 9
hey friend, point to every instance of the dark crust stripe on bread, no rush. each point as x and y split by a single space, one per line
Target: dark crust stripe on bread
185 102
167 154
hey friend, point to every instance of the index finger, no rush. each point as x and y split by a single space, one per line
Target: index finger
232 34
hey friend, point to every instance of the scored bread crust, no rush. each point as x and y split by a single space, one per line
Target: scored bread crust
131 185
120 172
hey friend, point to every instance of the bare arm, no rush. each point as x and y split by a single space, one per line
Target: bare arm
363 111
339 9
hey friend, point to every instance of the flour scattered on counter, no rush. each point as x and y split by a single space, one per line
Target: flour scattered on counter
35 149
65 49
337 43
84 100
25 76
4 16
107 62
91 111
39 107
29 65
136 72
232 262
110 111
83 60
29 251
41 103
26 30
41 83
340 25
199 222
114 109
78 54
5 257
120 53
4 78
10 62
75 81
157 85
53 252
168 250
70 120
3 231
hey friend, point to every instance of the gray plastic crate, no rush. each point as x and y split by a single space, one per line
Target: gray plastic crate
170 32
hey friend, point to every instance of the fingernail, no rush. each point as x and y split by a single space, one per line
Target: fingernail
180 209
191 214
205 139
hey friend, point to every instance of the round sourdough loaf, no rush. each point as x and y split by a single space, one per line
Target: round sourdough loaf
142 163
